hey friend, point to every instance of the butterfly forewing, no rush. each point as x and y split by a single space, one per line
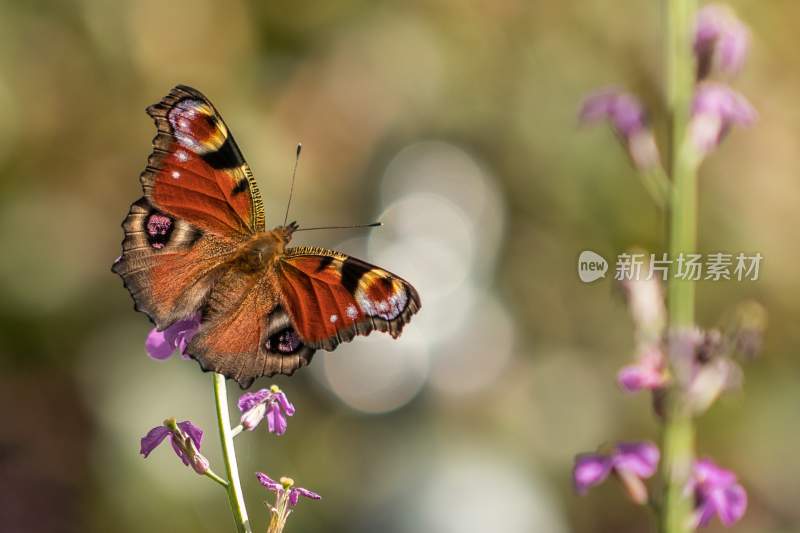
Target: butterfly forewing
196 171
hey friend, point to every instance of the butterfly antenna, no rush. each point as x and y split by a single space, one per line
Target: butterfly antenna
291 189
356 226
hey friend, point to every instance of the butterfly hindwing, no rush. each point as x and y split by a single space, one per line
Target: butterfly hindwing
332 297
245 333
167 264
196 171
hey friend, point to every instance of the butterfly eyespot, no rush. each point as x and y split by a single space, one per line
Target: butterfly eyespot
159 228
286 342
199 136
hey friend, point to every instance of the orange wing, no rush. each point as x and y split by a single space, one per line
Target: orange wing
167 264
332 297
196 171
200 202
245 332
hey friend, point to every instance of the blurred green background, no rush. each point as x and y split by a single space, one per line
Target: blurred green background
455 123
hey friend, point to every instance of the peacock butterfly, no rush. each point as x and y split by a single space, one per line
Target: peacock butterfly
196 243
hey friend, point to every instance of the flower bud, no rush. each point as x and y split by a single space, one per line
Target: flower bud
200 463
721 40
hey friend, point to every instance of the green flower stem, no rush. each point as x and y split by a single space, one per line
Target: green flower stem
214 477
234 487
676 466
678 434
238 429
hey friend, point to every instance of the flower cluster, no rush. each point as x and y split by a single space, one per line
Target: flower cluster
720 44
716 491
185 438
703 365
701 362
690 364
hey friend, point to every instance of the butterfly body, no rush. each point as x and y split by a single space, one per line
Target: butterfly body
196 245
262 250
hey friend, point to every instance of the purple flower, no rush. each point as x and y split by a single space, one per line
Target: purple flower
716 492
185 439
162 344
285 488
271 403
701 365
630 462
628 120
648 373
715 110
721 38
622 109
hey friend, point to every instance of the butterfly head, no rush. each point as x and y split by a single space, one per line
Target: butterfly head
284 233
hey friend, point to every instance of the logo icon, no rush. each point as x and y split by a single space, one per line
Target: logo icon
591 266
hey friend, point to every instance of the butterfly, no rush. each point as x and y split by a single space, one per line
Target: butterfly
196 243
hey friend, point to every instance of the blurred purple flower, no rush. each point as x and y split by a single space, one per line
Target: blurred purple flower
271 403
622 109
286 487
185 439
628 120
716 492
715 110
630 462
721 38
648 373
701 365
162 344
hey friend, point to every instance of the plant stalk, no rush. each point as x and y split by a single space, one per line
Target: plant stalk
678 432
234 487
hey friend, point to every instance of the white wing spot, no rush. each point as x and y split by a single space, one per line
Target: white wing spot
176 174
334 318
351 312
180 118
387 309
182 156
